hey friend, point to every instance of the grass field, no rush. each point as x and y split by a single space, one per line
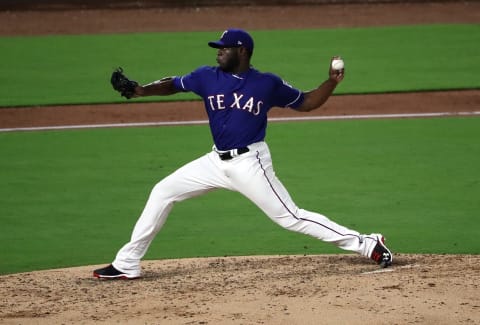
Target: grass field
76 69
72 197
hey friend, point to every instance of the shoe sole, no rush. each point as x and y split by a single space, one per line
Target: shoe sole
385 264
115 277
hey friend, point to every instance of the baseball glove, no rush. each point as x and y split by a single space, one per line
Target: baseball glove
122 84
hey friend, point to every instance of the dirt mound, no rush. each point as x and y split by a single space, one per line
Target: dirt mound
323 289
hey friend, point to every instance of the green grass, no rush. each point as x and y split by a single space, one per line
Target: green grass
72 197
76 69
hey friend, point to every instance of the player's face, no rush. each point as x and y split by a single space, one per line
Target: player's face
228 59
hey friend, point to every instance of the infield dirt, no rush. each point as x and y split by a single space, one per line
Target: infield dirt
333 289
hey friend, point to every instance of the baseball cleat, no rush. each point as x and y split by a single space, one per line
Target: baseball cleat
110 273
381 254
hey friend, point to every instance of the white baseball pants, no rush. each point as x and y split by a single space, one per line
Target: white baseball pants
250 174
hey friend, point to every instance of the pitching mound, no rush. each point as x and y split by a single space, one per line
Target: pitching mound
324 289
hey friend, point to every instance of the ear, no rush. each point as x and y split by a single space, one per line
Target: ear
243 51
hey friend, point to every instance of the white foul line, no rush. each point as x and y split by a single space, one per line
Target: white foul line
273 119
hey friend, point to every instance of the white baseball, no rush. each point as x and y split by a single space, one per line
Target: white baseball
338 64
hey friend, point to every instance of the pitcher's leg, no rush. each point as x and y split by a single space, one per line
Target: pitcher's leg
147 226
193 179
321 227
262 187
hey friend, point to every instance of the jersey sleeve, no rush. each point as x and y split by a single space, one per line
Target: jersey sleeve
285 95
190 82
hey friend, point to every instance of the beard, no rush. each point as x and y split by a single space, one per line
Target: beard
229 63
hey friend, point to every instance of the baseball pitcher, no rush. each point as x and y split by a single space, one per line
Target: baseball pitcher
237 99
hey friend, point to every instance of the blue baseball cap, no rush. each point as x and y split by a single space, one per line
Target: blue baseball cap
234 38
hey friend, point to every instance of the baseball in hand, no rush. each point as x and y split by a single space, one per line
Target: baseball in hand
337 64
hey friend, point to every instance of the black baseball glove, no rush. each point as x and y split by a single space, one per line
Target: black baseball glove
122 84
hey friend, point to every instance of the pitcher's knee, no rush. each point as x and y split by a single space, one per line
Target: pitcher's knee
161 193
287 221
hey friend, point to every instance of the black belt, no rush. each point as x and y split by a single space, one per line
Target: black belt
232 153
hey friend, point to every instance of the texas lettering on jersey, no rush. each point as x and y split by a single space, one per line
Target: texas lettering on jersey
237 109
240 101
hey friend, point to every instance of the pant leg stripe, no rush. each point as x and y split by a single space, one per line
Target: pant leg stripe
285 206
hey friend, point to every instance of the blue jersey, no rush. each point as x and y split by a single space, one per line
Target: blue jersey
237 105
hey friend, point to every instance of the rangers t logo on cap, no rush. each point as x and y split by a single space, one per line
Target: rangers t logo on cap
234 38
